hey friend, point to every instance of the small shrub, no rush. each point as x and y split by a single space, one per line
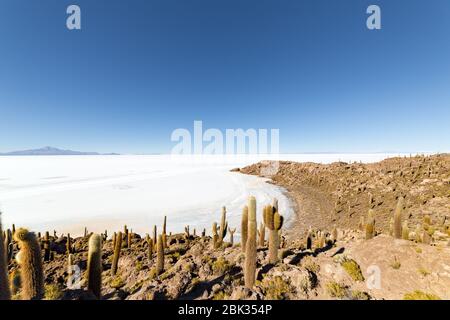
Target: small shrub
353 269
419 295
117 282
336 290
424 272
220 266
52 292
138 266
360 295
220 296
275 288
311 266
396 264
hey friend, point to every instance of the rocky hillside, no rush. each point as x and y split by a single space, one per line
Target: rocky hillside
341 193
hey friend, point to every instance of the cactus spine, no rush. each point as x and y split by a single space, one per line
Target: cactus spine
398 219
117 249
160 255
94 266
250 247
30 261
4 286
273 221
370 225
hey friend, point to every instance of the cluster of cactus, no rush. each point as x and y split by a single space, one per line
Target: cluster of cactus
30 262
274 222
4 285
250 245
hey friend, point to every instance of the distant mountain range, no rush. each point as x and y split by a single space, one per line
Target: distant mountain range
50 151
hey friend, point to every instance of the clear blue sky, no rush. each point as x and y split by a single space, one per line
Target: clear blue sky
139 69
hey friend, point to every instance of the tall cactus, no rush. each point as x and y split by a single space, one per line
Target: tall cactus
370 225
94 266
391 227
274 222
160 255
309 239
398 218
250 247
262 235
215 236
334 234
187 235
9 247
30 262
232 231
164 231
4 286
70 276
129 238
116 256
244 228
68 244
405 231
150 246
47 246
155 235
223 226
